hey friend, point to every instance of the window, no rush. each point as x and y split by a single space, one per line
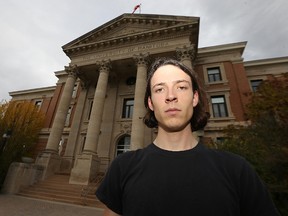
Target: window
83 143
214 74
219 106
128 106
123 145
74 93
255 84
67 121
90 109
38 103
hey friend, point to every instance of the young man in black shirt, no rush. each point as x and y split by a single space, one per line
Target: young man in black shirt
177 175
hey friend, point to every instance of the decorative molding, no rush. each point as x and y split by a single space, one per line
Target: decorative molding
141 59
104 66
185 53
125 127
72 70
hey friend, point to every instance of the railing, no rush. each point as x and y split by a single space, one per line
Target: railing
91 187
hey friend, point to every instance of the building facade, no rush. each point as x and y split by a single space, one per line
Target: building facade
95 111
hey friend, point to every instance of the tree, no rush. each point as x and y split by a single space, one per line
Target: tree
271 102
264 142
20 124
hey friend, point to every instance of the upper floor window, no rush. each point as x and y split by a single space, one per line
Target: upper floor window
214 74
219 106
67 121
255 84
128 105
74 93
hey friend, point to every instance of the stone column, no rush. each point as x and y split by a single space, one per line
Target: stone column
69 155
62 110
87 164
94 125
49 158
186 55
138 127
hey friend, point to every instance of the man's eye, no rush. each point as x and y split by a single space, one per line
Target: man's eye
182 87
159 90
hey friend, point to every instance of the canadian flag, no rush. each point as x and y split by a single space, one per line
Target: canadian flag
136 7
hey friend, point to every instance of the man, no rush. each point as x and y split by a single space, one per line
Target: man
176 175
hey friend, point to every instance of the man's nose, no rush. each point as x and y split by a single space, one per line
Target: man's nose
171 97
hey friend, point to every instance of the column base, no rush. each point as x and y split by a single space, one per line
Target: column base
50 161
66 164
85 169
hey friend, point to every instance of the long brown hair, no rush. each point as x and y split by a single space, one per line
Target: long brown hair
200 116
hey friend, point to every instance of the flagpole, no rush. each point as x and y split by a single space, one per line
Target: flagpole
136 7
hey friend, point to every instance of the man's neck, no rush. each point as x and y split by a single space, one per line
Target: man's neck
176 141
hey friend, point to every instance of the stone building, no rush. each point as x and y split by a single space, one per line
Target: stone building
95 110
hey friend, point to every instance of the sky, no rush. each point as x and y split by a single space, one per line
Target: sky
32 32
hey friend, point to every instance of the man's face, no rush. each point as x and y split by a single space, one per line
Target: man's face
172 98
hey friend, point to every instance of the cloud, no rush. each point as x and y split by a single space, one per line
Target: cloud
33 31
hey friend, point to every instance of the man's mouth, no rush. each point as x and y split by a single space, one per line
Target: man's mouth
172 110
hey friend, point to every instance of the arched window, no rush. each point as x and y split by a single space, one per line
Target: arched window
123 145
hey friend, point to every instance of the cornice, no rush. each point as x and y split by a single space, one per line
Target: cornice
32 91
220 49
269 61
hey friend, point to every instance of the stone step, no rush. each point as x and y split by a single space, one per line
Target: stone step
52 194
67 192
86 202
57 188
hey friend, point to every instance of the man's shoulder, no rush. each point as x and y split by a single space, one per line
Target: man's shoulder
224 157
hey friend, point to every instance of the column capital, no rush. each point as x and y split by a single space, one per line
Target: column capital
185 53
104 65
72 70
141 59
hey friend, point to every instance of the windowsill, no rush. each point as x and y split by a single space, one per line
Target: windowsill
125 120
218 119
223 82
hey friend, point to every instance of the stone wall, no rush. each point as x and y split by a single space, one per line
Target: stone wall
21 175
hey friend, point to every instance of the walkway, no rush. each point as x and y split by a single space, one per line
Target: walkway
13 205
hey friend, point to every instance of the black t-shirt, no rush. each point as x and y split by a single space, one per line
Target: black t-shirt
200 182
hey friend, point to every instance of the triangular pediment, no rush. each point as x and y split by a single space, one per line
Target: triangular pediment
123 31
128 26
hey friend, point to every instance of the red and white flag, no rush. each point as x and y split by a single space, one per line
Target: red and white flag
136 7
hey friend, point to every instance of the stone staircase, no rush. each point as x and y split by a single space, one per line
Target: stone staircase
57 188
